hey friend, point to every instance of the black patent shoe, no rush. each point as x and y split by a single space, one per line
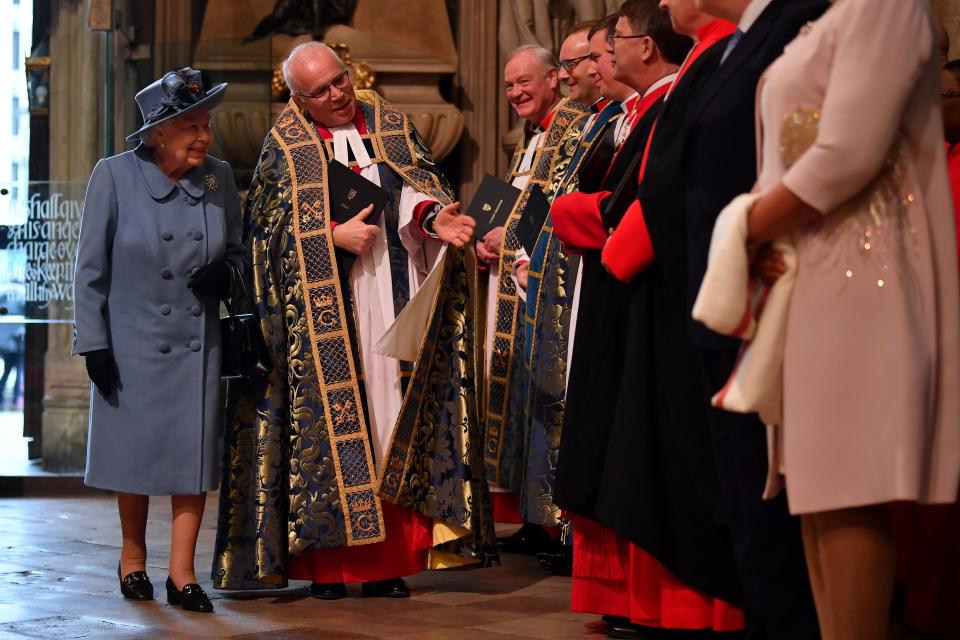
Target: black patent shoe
530 539
395 588
135 585
191 597
623 628
328 590
558 561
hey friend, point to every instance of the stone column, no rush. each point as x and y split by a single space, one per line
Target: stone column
76 140
173 35
478 80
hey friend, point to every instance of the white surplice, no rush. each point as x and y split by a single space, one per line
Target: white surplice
372 283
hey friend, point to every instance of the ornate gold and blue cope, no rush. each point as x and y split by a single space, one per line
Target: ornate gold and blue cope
550 290
298 468
504 395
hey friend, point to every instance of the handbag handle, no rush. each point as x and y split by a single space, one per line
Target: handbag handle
236 278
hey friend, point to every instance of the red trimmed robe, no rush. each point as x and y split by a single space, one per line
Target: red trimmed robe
612 576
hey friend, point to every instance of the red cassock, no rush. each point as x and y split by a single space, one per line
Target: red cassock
612 576
403 553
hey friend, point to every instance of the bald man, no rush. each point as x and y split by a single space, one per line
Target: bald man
314 447
573 67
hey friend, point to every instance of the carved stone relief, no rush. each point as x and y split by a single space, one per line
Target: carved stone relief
387 35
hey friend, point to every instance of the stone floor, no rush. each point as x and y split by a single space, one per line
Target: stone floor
58 580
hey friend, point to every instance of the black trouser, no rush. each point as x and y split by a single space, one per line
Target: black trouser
766 538
11 359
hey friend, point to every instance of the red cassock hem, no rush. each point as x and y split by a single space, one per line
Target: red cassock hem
576 221
613 577
506 507
403 553
629 250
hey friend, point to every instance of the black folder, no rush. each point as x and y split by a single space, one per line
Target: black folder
531 221
492 204
350 193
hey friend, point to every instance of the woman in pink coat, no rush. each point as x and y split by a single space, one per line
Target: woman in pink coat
853 167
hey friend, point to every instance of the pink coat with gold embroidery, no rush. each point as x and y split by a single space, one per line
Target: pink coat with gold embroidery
852 125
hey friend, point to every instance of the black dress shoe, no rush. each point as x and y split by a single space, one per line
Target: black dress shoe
622 628
395 588
529 539
135 585
328 590
191 597
558 560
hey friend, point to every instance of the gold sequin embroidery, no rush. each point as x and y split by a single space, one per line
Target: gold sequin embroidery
874 221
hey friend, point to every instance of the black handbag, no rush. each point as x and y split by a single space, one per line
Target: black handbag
244 351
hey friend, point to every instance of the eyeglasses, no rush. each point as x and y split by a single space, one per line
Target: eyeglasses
613 37
949 94
571 63
340 81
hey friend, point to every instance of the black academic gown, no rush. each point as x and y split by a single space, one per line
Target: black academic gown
719 163
597 346
659 478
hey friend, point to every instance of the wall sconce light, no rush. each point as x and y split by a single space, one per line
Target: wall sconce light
38 79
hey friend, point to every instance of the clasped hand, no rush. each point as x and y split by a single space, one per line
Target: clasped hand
767 264
488 249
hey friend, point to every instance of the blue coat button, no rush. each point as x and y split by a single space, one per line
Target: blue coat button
165 309
164 347
167 235
195 346
196 310
197 234
166 274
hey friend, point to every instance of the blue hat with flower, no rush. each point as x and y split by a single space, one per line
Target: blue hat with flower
176 93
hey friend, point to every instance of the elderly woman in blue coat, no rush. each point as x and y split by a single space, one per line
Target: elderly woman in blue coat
159 245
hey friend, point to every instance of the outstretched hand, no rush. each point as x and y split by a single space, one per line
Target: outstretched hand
452 226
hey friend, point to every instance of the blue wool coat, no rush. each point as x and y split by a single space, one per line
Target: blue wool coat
142 236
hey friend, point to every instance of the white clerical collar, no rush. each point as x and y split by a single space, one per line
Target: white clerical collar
345 135
751 13
667 79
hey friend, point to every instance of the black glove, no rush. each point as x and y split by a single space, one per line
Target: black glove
213 279
102 369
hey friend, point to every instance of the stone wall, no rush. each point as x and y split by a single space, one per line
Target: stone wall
948 12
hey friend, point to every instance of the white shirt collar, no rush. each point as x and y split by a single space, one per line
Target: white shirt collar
625 105
751 13
347 135
667 79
